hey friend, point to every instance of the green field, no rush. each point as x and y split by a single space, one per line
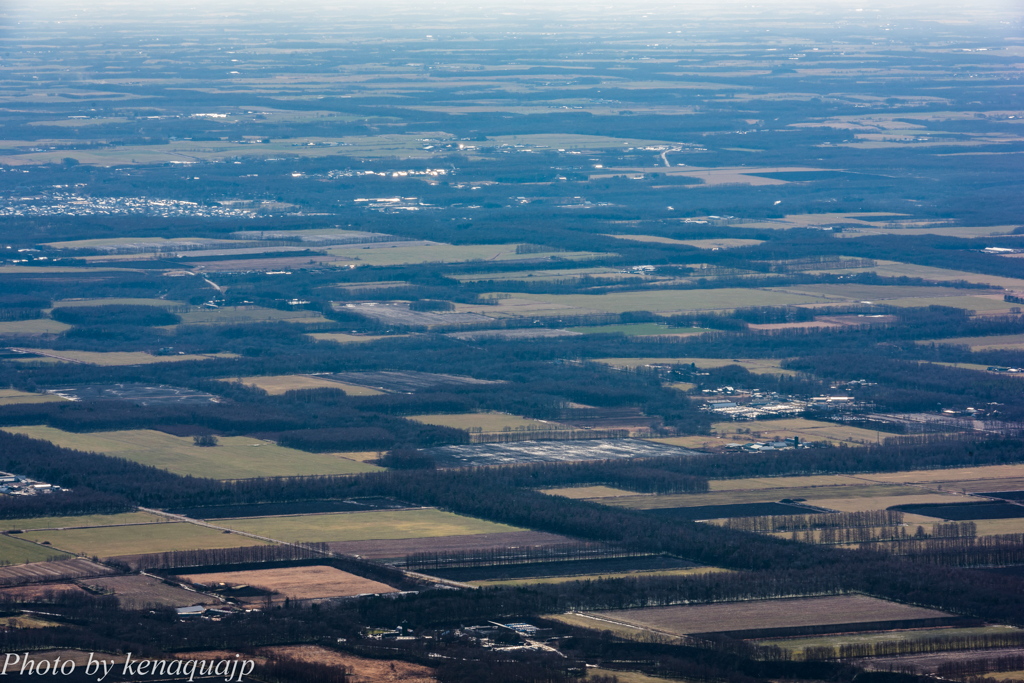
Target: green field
639 330
366 526
236 457
37 326
233 315
82 521
16 551
162 303
138 540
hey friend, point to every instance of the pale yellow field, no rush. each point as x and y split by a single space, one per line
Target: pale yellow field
999 341
112 358
83 521
366 526
11 396
954 475
860 495
658 301
235 457
342 338
994 527
487 422
898 268
683 386
807 430
758 366
588 492
136 540
881 502
279 384
759 483
981 304
627 676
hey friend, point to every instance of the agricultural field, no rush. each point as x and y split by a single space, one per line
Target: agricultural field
898 269
365 526
588 492
692 571
852 497
39 326
361 668
640 330
758 366
547 274
806 430
117 301
115 358
341 338
146 592
398 549
996 341
234 457
798 645
756 614
234 315
658 301
82 521
12 396
487 422
297 583
14 550
140 539
386 254
725 243
279 384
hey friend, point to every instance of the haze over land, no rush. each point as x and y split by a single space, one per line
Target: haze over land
535 342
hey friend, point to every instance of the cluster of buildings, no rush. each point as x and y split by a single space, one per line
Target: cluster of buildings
17 485
736 404
71 204
429 172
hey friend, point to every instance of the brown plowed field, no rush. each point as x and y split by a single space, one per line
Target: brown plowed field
142 592
401 548
734 616
39 590
360 670
303 583
36 572
363 670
